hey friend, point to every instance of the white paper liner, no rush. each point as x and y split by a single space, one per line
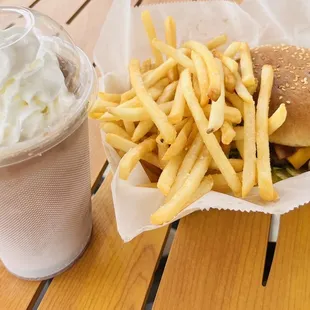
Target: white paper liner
122 37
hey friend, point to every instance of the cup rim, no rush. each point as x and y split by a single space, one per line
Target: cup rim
27 15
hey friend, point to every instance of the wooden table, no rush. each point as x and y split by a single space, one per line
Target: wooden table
217 258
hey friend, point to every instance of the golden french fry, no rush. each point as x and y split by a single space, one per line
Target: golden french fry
178 202
242 91
213 72
169 174
192 136
235 100
180 142
114 128
209 139
130 114
133 156
177 110
239 130
231 64
232 49
202 76
236 163
108 117
171 39
277 119
196 87
148 185
204 188
151 33
178 127
249 156
162 149
231 114
174 53
168 93
216 42
252 89
146 65
264 177
141 130
228 133
129 127
226 149
95 115
100 106
186 166
158 117
246 65
125 145
216 119
220 184
240 147
230 80
110 97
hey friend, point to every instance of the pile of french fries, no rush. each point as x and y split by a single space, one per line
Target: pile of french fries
184 116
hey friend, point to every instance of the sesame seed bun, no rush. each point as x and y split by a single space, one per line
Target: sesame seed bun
292 87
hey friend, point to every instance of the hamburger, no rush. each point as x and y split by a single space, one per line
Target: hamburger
290 144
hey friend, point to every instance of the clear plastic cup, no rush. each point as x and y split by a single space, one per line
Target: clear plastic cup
45 196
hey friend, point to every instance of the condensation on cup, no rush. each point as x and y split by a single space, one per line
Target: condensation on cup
47 85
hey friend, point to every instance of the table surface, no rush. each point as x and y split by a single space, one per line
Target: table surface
216 260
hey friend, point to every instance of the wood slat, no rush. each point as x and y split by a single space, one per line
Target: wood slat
111 274
60 10
288 286
17 2
216 262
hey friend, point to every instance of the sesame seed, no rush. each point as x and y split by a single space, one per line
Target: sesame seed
280 97
295 79
296 84
288 102
304 87
293 87
287 85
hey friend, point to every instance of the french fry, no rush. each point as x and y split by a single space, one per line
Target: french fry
178 127
204 188
129 127
110 97
202 76
235 100
277 119
151 33
192 136
213 71
242 91
133 156
146 65
186 166
232 49
220 184
216 119
108 117
169 174
178 202
161 150
228 133
246 65
209 139
217 42
171 39
148 185
174 53
264 177
226 149
158 117
116 129
231 64
229 79
231 114
236 163
252 89
249 156
141 130
100 106
177 110
180 142
168 93
240 147
125 145
239 130
196 87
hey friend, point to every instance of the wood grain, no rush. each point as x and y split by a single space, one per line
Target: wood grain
288 286
111 274
216 262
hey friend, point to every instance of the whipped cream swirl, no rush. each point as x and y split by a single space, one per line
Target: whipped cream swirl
33 93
